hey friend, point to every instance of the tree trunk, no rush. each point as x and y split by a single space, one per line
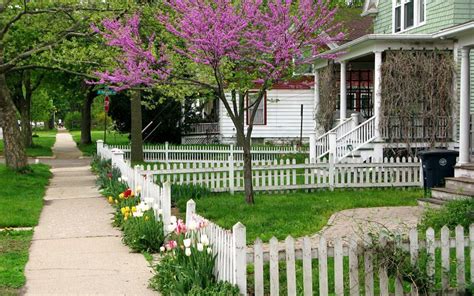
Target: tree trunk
15 151
26 131
136 127
86 137
248 171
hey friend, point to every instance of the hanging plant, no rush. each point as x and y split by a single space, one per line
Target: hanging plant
417 97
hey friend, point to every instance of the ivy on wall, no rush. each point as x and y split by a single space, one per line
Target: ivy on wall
328 96
417 97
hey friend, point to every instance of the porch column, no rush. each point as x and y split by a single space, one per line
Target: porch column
343 96
464 110
377 91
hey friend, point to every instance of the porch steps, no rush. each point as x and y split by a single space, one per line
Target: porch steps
459 187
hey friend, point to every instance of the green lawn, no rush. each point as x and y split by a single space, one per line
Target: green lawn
14 247
113 138
295 214
42 144
21 195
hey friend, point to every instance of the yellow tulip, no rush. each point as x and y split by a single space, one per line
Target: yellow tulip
123 210
134 209
146 218
116 201
111 199
121 195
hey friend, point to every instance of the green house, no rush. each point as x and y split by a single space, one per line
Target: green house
405 87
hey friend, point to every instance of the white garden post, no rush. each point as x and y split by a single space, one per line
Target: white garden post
231 174
190 211
166 152
117 156
166 204
332 157
100 146
240 257
377 92
312 148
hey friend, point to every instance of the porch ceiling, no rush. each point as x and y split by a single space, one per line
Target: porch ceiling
463 34
371 43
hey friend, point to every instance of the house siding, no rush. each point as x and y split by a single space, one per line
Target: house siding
283 117
440 14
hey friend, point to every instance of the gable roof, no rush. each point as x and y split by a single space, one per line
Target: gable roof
354 25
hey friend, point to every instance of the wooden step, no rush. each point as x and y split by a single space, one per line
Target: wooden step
431 202
465 170
451 194
460 183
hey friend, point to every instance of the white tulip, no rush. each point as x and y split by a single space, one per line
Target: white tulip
119 179
138 189
187 242
204 240
200 247
173 219
171 227
209 250
138 213
187 252
125 179
162 249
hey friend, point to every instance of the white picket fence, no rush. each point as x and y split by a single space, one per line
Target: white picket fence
361 278
304 256
157 196
167 153
288 175
230 246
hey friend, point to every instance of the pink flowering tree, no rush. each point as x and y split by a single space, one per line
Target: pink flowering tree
138 64
231 47
248 45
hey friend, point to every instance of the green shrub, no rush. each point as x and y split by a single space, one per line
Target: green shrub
185 192
143 233
217 289
453 213
72 121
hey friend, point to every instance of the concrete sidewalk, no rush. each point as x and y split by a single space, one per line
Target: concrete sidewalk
75 249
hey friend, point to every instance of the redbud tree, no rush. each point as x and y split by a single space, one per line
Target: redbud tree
238 46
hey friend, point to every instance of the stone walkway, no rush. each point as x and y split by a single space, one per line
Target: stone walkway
75 250
356 223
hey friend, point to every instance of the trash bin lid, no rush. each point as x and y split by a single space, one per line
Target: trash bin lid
439 152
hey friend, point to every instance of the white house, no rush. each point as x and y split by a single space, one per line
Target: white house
285 114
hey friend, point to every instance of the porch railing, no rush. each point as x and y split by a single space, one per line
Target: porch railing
203 128
417 129
322 143
355 139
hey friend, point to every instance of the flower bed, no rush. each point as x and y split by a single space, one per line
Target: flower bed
186 260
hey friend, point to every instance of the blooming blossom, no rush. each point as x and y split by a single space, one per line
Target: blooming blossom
187 252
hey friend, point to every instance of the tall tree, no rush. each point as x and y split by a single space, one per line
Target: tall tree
137 67
47 24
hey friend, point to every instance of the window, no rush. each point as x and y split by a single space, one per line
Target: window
261 113
408 14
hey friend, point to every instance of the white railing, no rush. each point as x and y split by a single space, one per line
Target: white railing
355 139
159 197
207 153
363 270
288 175
229 245
322 143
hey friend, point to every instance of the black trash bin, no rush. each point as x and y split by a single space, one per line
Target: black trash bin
437 165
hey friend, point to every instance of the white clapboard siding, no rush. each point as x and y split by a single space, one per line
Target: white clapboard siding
283 115
292 252
286 174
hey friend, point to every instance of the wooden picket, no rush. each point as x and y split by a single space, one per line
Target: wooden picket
322 250
286 174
